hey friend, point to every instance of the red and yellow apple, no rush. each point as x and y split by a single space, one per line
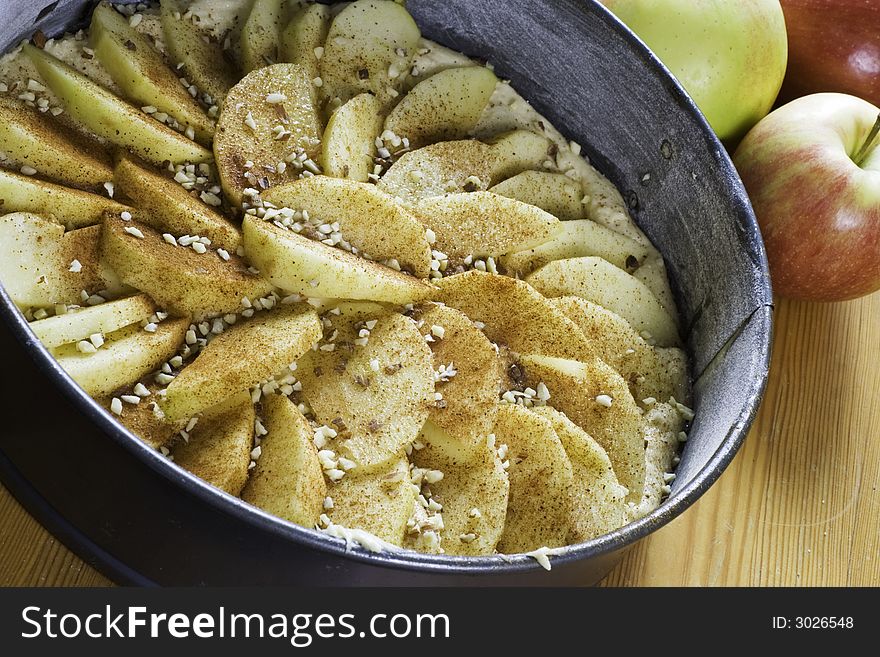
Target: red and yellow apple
812 171
729 55
833 45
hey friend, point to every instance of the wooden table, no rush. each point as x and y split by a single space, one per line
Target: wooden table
798 506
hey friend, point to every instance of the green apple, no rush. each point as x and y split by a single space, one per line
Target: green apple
729 55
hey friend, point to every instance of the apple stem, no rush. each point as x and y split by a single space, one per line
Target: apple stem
869 142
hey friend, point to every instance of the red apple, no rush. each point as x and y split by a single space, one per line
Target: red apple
812 171
833 45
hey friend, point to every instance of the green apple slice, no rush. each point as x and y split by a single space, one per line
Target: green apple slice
111 117
267 121
177 277
597 280
514 314
61 154
596 398
260 34
204 60
540 473
445 106
555 193
168 207
298 264
304 35
127 355
71 207
218 449
37 261
359 208
139 70
574 239
369 48
104 318
350 138
481 224
287 480
245 354
519 150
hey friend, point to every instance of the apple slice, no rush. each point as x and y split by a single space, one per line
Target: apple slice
244 355
514 315
369 48
650 372
139 70
287 481
377 395
465 165
36 261
298 264
304 35
145 419
483 224
219 447
598 501
38 141
111 117
517 151
168 207
378 502
177 277
597 399
445 106
359 208
127 356
474 497
71 207
540 475
350 138
260 34
574 239
555 193
204 61
469 374
597 280
268 119
104 318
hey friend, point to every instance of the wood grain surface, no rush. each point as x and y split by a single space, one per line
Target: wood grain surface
798 506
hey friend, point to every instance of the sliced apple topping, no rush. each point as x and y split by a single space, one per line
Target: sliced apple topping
124 357
366 220
445 106
303 39
41 265
304 266
350 138
139 70
287 480
182 275
40 145
369 48
219 447
261 33
244 355
166 206
268 132
483 224
111 117
555 193
80 324
204 60
597 280
70 207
